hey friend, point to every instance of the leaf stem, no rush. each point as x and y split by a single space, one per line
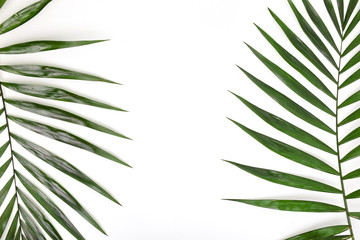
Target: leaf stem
11 150
337 145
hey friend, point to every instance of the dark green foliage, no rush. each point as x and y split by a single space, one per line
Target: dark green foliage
23 215
342 18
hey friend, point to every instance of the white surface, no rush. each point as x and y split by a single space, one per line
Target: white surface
176 60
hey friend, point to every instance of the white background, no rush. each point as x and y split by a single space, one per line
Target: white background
176 61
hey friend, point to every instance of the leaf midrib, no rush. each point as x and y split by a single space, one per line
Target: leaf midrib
11 152
346 207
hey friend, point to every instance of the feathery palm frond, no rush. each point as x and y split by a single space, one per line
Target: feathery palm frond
24 215
331 48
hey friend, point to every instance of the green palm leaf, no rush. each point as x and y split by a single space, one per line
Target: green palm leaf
2 3
311 34
296 64
289 151
287 179
30 212
42 46
352 25
340 4
350 9
292 205
58 94
287 128
40 217
29 226
331 11
319 24
31 70
289 104
5 216
321 233
22 16
341 19
13 227
353 174
303 48
292 83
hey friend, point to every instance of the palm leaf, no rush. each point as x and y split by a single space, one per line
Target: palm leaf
321 233
29 213
42 46
344 18
330 8
340 4
292 205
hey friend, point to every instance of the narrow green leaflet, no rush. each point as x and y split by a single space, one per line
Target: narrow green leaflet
12 230
22 16
288 104
50 72
314 38
354 77
50 206
350 9
5 217
56 94
57 189
353 174
351 136
288 151
65 137
40 217
292 83
316 19
42 46
330 9
352 154
3 148
25 231
355 194
31 228
351 117
355 215
2 3
340 4
321 233
350 100
342 237
296 64
4 191
18 235
354 60
352 25
62 165
291 205
3 127
303 48
27 235
286 127
287 179
60 114
4 167
352 45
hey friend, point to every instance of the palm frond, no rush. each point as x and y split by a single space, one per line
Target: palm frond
325 45
28 211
